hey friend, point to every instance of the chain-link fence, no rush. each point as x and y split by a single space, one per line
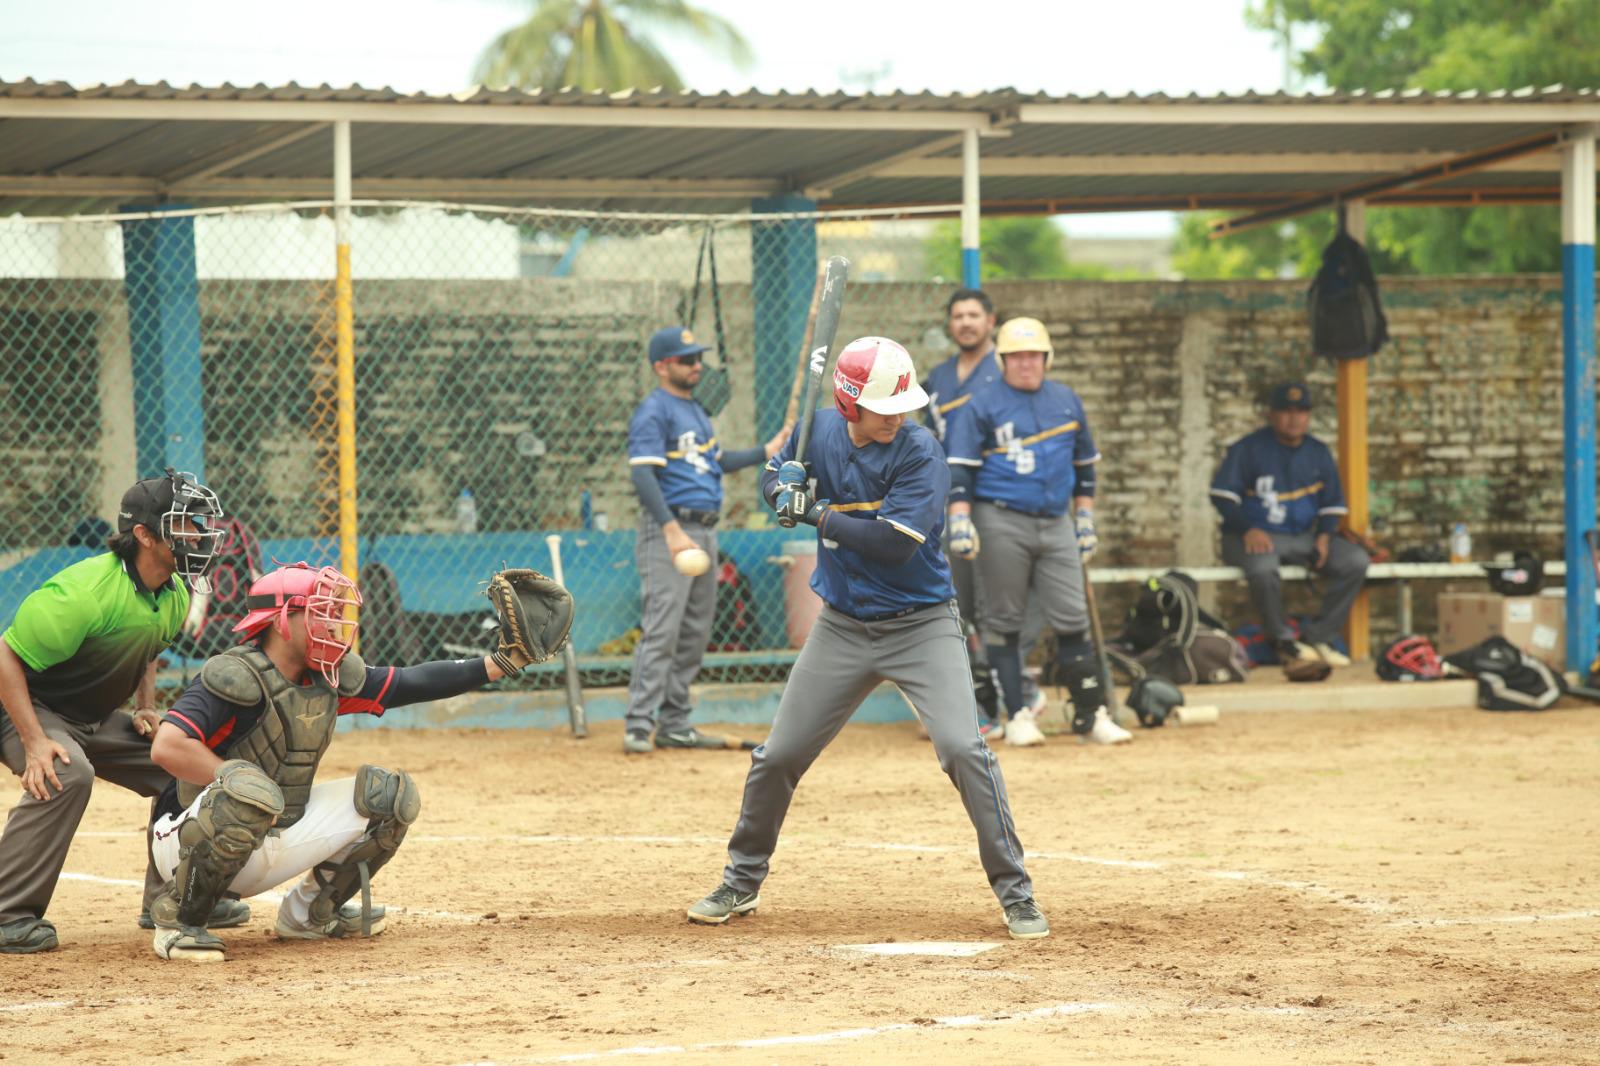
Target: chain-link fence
499 355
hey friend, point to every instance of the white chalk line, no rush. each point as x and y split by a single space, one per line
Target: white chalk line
275 897
1310 888
1059 1010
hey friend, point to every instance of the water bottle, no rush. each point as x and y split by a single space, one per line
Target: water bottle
1460 544
586 509
466 512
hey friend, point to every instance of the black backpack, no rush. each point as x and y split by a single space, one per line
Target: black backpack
1169 636
735 626
1508 678
1347 320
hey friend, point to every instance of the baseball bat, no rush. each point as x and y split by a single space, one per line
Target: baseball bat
580 720
1113 708
828 307
800 363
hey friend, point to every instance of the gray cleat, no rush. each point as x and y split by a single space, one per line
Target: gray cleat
636 742
27 935
1026 921
225 915
188 943
723 904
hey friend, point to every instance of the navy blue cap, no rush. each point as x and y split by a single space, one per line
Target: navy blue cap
673 341
1291 395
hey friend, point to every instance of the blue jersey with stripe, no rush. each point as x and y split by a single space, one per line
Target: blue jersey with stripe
904 483
1265 484
675 434
1027 447
947 392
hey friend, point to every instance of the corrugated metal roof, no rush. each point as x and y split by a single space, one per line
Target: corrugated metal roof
96 147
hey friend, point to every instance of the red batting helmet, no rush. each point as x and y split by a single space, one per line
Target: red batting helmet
876 373
329 599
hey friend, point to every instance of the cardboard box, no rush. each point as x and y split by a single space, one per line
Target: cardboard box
1536 624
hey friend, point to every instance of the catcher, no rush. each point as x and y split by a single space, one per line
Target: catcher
244 739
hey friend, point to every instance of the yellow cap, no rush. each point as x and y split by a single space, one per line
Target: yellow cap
1023 335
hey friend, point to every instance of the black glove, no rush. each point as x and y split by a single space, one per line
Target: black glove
797 506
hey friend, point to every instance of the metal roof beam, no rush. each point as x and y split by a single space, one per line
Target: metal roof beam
1372 112
237 153
1077 166
1366 190
463 114
464 189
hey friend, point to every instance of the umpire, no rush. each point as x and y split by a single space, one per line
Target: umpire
677 467
79 646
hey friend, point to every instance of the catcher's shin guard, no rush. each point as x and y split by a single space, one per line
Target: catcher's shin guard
213 846
1078 668
391 802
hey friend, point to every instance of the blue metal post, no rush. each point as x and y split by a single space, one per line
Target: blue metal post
164 333
1578 385
783 255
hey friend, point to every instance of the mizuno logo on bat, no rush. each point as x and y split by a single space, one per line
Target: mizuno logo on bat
819 360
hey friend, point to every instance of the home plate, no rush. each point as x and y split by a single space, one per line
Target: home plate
950 949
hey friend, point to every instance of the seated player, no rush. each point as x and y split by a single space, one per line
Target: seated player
244 741
1279 495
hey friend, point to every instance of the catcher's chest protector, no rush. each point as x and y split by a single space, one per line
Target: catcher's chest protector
295 727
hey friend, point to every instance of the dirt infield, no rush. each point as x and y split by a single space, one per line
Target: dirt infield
1378 887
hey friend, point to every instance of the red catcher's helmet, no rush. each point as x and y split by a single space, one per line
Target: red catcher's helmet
329 599
1410 659
876 373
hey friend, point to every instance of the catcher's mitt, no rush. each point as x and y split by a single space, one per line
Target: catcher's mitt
1306 670
535 617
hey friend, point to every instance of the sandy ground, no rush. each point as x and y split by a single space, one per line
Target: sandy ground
1376 887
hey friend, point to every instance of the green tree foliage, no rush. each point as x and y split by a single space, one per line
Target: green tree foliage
1426 44
602 44
1014 246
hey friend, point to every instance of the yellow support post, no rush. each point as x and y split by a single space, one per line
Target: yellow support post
345 352
1352 400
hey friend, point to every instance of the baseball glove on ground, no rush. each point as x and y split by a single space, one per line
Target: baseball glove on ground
535 617
1306 670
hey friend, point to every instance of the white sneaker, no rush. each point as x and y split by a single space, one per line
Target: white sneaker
1331 655
1023 731
1106 731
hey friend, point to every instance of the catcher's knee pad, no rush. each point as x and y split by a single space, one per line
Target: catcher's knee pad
213 845
390 801
1078 668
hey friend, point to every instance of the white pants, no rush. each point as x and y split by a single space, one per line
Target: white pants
328 830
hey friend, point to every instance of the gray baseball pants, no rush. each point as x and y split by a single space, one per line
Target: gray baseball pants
1344 574
39 833
1017 552
842 661
676 613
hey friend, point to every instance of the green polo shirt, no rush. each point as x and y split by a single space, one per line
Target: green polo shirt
86 636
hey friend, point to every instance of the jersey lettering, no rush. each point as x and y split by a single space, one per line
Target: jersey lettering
1276 511
1005 435
691 453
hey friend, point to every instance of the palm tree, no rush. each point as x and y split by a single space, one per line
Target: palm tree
600 44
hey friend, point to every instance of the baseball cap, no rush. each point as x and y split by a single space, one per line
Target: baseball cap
1291 395
673 341
145 504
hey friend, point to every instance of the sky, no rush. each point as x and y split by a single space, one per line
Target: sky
1052 46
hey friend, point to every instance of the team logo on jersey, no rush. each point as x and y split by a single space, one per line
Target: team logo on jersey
902 383
845 385
691 453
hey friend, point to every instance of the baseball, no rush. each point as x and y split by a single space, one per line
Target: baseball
692 561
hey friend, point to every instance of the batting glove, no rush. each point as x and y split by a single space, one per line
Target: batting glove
793 474
963 537
1087 540
798 506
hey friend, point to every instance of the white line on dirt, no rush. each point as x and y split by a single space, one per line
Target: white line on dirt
274 897
802 1039
1501 919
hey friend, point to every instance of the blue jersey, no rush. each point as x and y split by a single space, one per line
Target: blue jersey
904 483
675 434
946 391
1263 484
1027 447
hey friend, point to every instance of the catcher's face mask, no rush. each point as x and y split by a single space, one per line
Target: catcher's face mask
331 603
